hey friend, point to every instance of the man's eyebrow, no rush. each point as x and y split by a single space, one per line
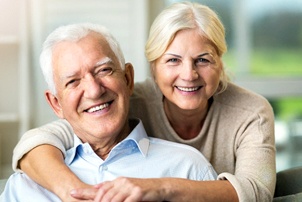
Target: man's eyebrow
66 77
106 60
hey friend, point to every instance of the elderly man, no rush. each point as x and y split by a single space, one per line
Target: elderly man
90 86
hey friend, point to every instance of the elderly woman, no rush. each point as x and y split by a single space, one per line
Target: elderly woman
189 100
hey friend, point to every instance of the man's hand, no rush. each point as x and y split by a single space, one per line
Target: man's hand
84 193
158 189
122 189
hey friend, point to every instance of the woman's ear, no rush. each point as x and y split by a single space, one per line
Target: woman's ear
54 103
129 75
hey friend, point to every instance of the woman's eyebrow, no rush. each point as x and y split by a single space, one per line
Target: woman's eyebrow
203 54
200 55
172 54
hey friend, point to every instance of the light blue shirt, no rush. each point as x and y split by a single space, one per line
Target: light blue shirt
137 156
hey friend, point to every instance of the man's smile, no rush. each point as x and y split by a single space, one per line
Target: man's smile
99 107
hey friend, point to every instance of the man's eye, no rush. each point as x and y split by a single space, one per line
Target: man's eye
105 71
71 82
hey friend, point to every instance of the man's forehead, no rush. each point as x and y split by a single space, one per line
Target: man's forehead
100 52
104 46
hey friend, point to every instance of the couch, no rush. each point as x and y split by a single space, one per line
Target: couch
2 185
289 185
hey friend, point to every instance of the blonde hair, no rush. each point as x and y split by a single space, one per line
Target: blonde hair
186 15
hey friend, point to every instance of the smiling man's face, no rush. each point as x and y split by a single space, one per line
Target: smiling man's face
92 89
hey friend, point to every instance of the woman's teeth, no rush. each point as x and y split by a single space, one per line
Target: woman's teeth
188 89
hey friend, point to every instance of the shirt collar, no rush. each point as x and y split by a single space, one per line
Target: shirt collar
138 136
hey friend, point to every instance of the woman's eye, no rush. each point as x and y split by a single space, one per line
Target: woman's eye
173 60
202 62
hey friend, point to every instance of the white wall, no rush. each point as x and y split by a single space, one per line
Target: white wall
9 81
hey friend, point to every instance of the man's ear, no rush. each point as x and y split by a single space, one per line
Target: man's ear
54 103
129 74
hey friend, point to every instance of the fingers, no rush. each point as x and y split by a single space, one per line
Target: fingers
121 189
97 186
84 193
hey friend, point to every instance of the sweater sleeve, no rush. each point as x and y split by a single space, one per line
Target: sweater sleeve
255 171
58 133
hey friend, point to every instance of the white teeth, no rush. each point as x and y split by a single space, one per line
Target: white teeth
187 89
97 108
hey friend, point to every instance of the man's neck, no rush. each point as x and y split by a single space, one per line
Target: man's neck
104 150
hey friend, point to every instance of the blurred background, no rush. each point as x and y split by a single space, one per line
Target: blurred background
265 55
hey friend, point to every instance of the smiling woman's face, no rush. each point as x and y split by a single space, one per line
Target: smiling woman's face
188 72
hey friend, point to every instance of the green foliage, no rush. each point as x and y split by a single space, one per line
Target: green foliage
270 62
275 63
289 108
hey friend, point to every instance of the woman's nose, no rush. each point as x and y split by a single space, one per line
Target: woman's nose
188 71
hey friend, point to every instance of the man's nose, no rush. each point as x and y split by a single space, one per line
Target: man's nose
93 88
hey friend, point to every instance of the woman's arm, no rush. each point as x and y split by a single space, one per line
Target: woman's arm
45 165
40 154
58 133
161 189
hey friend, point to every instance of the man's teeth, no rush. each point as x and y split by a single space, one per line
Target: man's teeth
97 108
187 89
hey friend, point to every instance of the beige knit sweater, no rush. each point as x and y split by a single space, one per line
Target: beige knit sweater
237 137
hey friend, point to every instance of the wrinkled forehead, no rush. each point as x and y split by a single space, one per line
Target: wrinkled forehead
99 41
92 44
105 47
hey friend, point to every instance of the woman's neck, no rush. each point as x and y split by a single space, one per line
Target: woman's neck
186 123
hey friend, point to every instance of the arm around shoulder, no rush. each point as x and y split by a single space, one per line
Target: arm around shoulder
40 155
58 134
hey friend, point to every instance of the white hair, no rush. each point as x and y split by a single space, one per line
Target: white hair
73 32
